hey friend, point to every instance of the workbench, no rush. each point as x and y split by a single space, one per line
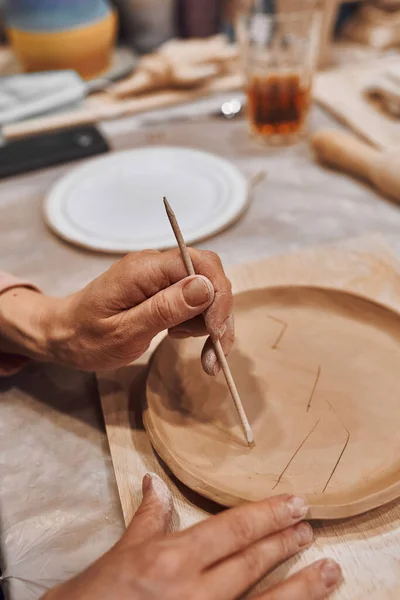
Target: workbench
59 504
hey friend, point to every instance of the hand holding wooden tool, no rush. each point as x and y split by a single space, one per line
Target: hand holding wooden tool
346 152
216 342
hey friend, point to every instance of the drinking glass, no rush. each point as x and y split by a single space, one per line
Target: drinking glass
279 43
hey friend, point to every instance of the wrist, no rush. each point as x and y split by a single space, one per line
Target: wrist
30 324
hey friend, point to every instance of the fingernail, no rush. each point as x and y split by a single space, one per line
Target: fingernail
304 534
160 489
178 335
146 483
331 573
197 291
298 507
210 362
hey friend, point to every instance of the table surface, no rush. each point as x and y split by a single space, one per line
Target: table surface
361 266
53 444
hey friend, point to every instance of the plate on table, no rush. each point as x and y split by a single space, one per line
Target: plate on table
317 371
114 203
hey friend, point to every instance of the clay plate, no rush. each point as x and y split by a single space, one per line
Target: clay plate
318 373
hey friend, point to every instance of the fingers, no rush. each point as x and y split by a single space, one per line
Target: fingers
194 328
209 265
209 358
313 583
238 528
154 513
245 569
140 276
197 328
170 307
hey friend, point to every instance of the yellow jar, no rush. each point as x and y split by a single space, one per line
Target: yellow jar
63 34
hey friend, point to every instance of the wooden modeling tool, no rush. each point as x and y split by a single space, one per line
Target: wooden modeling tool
216 342
346 152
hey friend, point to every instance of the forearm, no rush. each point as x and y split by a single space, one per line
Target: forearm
27 324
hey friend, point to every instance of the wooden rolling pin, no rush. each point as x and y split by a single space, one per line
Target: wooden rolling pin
346 152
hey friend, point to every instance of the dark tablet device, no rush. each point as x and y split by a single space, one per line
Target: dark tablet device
41 151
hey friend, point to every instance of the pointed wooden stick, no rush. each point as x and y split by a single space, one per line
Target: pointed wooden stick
216 342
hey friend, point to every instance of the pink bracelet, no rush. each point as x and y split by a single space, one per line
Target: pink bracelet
10 363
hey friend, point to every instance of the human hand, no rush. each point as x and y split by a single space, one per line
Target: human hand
218 559
112 321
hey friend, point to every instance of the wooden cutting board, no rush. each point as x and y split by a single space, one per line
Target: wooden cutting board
368 546
341 91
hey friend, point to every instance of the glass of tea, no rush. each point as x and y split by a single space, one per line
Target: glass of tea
279 42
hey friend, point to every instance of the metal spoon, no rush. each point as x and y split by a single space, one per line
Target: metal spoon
231 109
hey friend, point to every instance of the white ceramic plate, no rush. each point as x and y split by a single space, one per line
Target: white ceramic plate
114 203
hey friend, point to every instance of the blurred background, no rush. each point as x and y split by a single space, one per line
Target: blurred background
102 42
144 24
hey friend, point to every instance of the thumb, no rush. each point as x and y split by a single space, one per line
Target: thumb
174 305
154 514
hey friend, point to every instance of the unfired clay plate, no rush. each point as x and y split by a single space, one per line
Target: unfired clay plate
318 374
